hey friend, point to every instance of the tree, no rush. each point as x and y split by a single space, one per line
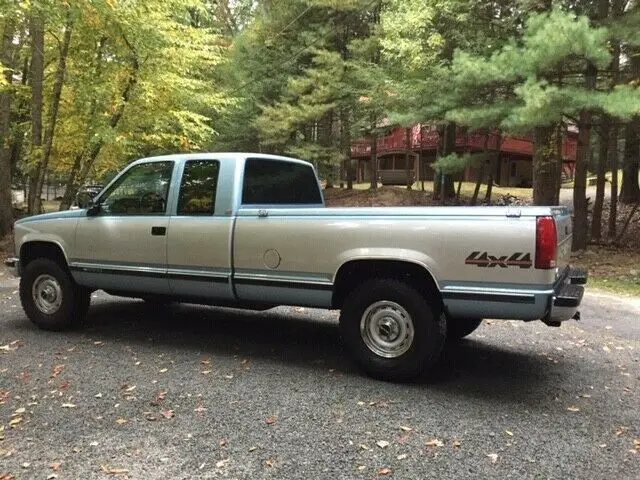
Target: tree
6 96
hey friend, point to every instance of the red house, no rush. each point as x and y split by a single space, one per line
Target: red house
510 161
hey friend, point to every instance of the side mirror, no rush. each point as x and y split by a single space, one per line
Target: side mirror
94 209
83 200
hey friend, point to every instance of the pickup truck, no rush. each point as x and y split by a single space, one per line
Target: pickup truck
252 231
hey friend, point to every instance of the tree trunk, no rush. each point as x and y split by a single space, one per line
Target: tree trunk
613 207
630 190
487 196
374 155
6 59
480 174
36 30
407 156
447 146
580 220
544 166
345 139
559 141
55 104
603 163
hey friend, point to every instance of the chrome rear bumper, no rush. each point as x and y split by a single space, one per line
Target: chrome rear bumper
567 298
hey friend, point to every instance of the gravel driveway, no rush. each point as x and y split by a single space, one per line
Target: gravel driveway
201 392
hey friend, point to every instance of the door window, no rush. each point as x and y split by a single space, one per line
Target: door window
141 190
198 187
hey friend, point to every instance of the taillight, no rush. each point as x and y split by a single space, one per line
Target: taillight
546 243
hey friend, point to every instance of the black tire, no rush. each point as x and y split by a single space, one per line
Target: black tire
383 305
68 302
458 328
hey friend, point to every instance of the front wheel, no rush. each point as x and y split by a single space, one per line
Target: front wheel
50 297
391 329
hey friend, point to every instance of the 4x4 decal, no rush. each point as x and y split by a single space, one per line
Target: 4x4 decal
483 259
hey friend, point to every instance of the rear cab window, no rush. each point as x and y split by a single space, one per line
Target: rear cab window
278 182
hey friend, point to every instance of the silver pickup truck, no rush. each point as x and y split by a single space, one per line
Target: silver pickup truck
252 231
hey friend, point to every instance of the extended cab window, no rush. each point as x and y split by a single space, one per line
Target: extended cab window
275 182
141 190
198 187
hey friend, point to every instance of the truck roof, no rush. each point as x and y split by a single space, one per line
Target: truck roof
233 156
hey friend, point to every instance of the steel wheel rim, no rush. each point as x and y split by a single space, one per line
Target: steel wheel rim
387 329
47 294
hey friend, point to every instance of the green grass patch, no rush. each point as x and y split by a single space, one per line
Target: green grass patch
614 285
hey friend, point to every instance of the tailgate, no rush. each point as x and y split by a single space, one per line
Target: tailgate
564 228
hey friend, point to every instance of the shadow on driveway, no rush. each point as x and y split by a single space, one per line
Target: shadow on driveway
309 340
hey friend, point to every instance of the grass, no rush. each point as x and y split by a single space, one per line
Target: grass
613 285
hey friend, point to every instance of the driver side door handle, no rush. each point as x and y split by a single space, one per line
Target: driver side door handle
158 231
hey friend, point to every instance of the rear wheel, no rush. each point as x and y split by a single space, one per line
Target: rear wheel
50 297
391 330
458 328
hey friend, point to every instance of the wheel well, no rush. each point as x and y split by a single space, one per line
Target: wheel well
32 250
354 273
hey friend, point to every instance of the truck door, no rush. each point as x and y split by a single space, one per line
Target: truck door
123 246
199 234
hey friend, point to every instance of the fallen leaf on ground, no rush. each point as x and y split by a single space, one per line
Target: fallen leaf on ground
65 385
163 370
57 370
206 372
406 429
251 449
493 457
223 442
15 421
271 420
19 411
364 447
200 409
56 466
636 443
150 416
122 421
457 444
128 388
573 409
168 414
52 476
385 471
435 443
383 444
360 468
222 463
508 432
113 471
7 476
160 397
270 463
621 431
